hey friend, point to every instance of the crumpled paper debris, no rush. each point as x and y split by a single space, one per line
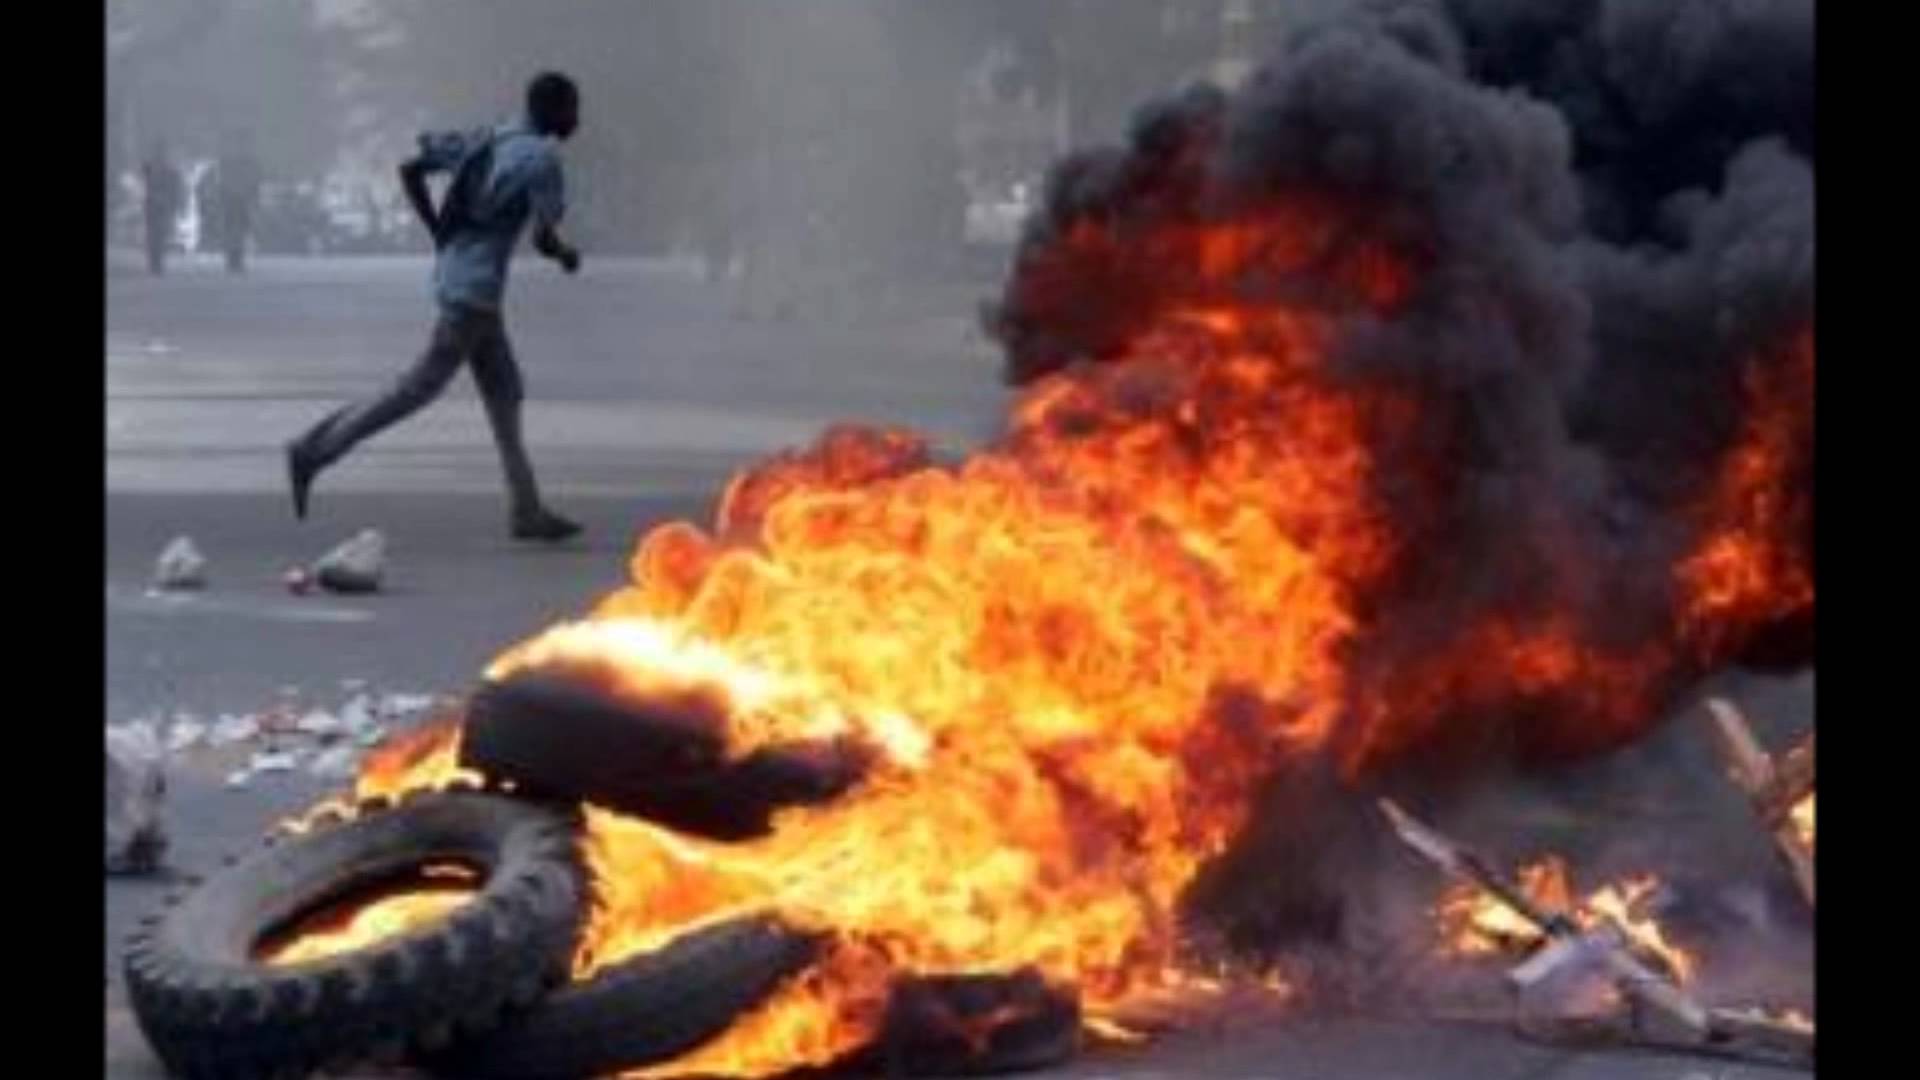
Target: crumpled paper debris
180 566
320 724
357 566
234 729
184 734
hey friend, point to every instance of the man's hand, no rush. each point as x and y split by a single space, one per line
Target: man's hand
548 243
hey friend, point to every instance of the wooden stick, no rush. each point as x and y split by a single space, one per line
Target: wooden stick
1793 774
1639 982
1772 790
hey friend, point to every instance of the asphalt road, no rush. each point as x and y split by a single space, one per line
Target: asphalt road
647 388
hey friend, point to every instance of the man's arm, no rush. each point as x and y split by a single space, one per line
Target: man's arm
547 194
440 151
413 181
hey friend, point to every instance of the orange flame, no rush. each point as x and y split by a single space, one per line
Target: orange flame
1471 922
1754 564
1076 655
425 756
355 926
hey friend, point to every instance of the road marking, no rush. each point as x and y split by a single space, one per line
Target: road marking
150 602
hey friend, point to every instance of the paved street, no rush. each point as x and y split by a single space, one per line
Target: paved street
647 388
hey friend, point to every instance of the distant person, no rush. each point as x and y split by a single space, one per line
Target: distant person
500 179
206 196
164 193
237 193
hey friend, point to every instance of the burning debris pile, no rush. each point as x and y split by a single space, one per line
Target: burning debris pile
1409 411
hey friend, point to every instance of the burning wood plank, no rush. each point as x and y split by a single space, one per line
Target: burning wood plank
1662 1013
1640 982
1773 787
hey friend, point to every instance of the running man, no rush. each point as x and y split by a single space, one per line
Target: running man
501 178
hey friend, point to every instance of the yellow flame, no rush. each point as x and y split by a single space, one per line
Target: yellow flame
1802 817
386 917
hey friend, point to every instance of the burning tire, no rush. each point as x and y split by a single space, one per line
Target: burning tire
216 1000
557 737
649 1009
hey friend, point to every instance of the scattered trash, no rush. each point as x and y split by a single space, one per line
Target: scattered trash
136 788
297 580
356 566
356 715
184 735
323 724
232 729
140 736
406 704
282 738
180 567
274 761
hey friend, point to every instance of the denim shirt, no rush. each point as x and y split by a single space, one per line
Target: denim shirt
524 181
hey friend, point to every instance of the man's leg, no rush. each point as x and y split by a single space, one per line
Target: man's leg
330 439
497 375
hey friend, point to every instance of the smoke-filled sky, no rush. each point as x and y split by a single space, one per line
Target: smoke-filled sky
839 121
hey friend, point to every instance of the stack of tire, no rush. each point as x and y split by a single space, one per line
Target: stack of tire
485 991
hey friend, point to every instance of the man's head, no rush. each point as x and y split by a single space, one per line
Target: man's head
553 104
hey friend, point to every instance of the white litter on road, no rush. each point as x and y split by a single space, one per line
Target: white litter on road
233 729
403 704
356 566
180 566
184 735
355 715
325 725
283 738
274 761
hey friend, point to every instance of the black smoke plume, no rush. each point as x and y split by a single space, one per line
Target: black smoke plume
1607 209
